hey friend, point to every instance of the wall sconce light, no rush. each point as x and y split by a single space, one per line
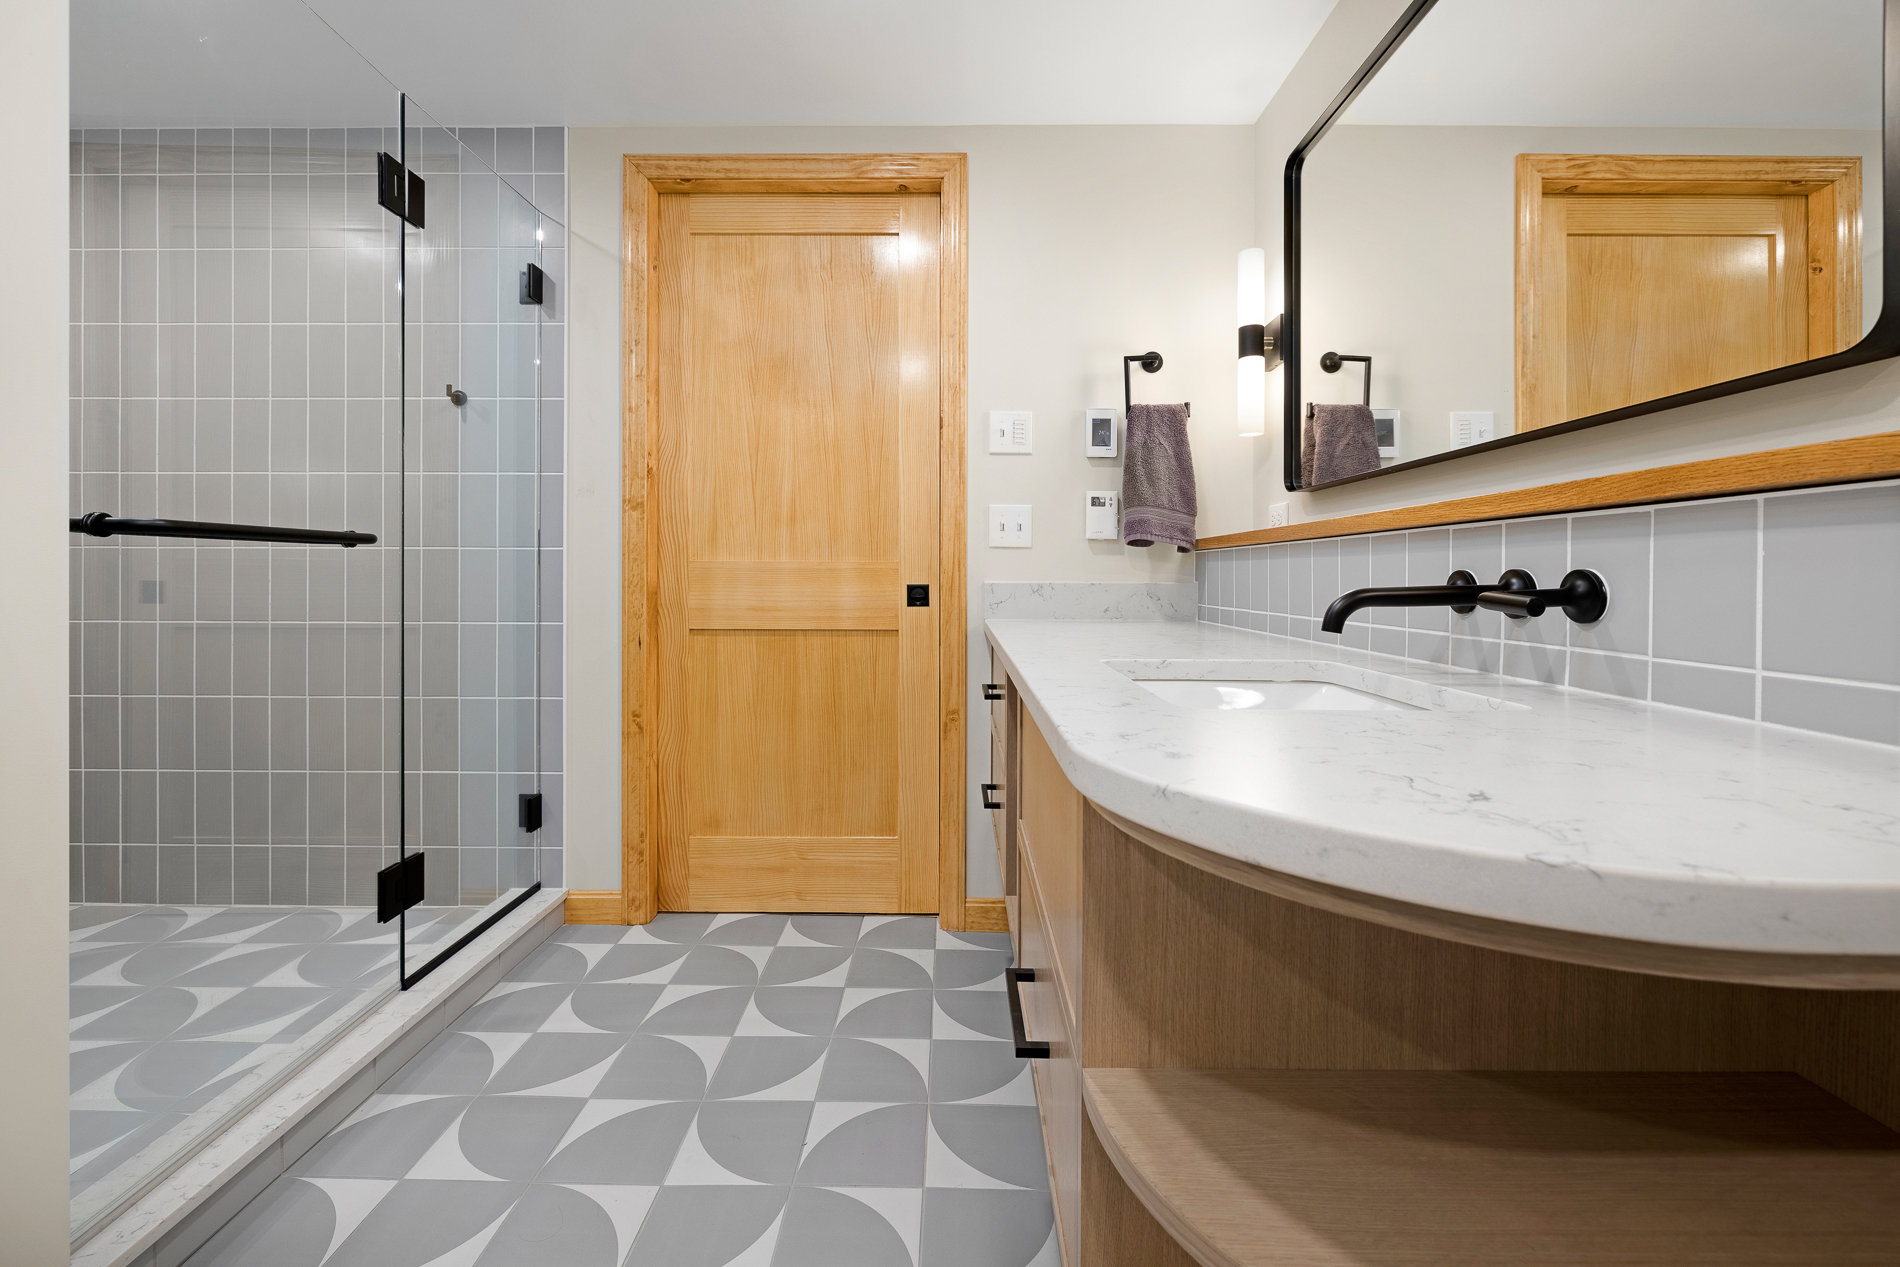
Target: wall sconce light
1259 343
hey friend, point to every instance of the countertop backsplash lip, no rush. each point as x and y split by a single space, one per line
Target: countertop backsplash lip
1090 600
1721 603
1385 804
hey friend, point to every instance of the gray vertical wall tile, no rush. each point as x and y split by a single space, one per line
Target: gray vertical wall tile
1815 548
1616 547
1838 708
1698 686
1610 674
1706 558
1479 550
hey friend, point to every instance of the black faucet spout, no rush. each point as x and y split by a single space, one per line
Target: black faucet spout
1460 592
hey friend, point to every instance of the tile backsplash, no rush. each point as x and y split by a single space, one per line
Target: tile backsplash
1777 608
236 351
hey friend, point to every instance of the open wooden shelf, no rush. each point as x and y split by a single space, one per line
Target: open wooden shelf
1408 1169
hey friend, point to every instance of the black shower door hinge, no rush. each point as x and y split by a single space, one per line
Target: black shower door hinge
398 887
530 811
400 192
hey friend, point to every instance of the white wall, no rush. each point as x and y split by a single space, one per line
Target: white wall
1086 243
1845 403
33 454
1410 244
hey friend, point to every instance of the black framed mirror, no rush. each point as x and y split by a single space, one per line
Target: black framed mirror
1522 218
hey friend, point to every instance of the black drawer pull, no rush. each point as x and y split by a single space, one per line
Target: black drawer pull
1025 1049
987 789
992 691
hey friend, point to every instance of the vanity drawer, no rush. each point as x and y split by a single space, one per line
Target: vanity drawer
1059 1077
1049 844
999 795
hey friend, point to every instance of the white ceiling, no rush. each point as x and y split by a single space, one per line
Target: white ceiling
1679 63
479 62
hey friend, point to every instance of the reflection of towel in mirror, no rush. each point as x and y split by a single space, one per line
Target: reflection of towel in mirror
1338 442
1158 478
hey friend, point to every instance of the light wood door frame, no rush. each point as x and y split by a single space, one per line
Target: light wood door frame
1831 185
644 178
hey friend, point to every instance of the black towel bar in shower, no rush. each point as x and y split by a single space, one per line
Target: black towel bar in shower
100 524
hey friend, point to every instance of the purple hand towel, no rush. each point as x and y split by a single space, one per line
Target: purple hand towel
1338 441
1158 478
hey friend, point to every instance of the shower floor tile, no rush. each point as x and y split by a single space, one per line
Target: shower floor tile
174 1006
701 1091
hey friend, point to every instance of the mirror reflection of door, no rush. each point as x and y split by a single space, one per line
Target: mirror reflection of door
1639 276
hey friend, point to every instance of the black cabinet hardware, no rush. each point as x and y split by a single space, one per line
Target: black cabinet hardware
1025 1049
992 691
398 887
100 524
987 789
916 596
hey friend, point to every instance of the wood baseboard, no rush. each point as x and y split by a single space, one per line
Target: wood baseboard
985 915
595 906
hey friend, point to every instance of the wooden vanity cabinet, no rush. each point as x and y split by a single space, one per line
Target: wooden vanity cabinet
1237 1078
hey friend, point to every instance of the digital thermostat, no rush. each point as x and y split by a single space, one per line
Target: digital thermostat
1099 433
1103 522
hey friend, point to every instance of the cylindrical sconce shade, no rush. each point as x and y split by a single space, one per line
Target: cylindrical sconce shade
1251 308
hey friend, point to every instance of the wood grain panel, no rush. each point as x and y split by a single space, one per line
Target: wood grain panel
745 595
1867 457
793 733
1808 972
788 873
594 906
796 213
1117 1230
1330 1169
794 361
1050 833
670 523
1058 1078
953 268
1687 173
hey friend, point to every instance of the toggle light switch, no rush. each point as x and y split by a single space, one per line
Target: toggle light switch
1009 527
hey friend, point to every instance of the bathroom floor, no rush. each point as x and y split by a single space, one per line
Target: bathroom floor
701 1091
172 1006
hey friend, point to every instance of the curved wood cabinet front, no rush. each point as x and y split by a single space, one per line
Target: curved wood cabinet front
1166 966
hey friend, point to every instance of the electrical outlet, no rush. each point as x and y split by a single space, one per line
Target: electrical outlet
1276 514
1012 431
1009 527
1472 426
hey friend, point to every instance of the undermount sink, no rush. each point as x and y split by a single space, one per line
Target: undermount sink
1294 696
1298 686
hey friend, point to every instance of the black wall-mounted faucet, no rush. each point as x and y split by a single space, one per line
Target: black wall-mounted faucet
1582 595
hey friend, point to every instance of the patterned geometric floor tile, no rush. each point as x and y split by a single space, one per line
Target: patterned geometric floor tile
701 1091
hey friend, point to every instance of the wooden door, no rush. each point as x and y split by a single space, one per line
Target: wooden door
1643 276
795 498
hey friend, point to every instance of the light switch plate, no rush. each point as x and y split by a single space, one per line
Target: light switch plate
1012 431
1103 521
1472 426
1009 527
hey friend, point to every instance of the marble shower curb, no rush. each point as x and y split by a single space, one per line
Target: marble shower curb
171 1222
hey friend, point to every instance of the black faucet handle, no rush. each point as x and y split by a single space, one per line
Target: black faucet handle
1513 603
1462 577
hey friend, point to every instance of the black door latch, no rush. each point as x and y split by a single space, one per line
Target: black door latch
916 596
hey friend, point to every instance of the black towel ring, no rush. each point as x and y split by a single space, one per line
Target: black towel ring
1150 362
1331 363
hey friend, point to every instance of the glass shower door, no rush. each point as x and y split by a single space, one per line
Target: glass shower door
472 561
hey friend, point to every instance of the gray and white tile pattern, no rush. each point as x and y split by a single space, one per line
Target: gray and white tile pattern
702 1091
176 1007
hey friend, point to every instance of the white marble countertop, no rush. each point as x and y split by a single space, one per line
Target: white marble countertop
1554 807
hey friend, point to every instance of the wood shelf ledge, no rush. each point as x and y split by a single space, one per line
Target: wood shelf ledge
1247 1168
1740 967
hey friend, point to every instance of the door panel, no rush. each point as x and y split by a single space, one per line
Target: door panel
795 387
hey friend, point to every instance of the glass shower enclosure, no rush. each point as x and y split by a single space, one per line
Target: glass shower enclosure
308 584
